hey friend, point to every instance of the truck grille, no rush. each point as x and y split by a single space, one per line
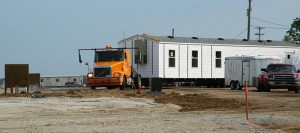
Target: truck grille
102 72
283 77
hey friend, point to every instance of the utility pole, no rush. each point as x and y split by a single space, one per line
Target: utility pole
249 17
259 33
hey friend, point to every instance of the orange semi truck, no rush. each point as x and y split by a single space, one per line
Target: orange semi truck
112 68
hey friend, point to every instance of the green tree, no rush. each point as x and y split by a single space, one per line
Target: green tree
293 34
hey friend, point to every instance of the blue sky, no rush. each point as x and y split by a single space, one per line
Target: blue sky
46 34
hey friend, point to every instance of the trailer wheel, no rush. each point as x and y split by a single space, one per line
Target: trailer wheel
238 85
232 85
122 87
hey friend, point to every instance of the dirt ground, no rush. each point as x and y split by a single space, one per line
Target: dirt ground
177 109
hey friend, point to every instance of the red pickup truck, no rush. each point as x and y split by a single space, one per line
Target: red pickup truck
279 76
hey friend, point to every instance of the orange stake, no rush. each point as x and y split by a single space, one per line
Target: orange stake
246 93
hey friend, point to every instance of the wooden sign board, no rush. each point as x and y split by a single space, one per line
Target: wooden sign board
16 74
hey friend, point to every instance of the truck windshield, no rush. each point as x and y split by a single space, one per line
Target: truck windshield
281 69
109 56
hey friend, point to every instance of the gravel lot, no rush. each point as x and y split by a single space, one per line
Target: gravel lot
101 110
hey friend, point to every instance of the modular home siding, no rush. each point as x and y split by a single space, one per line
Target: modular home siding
151 67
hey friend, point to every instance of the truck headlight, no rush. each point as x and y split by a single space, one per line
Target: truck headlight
296 75
117 74
90 75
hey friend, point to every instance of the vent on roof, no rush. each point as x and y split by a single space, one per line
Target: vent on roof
170 36
245 39
269 40
220 38
195 37
260 41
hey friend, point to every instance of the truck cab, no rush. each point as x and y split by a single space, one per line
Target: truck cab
279 76
112 68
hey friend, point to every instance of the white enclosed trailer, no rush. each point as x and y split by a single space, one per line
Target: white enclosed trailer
199 60
241 69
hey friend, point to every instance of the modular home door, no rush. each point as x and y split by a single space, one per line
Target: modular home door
246 72
288 57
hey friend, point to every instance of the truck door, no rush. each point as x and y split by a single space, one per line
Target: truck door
245 72
127 66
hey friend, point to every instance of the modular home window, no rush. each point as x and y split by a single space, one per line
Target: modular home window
288 56
194 58
57 80
171 58
42 80
218 59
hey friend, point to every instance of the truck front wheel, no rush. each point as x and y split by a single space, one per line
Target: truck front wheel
122 87
267 88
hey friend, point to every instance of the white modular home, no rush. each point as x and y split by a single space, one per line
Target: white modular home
199 60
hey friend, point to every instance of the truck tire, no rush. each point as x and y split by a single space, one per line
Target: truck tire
266 88
232 85
122 87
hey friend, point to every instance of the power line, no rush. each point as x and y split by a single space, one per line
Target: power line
240 33
269 22
276 28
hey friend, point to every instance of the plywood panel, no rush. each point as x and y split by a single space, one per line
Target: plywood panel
16 74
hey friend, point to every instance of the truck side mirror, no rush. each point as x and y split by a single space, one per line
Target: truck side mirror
263 69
